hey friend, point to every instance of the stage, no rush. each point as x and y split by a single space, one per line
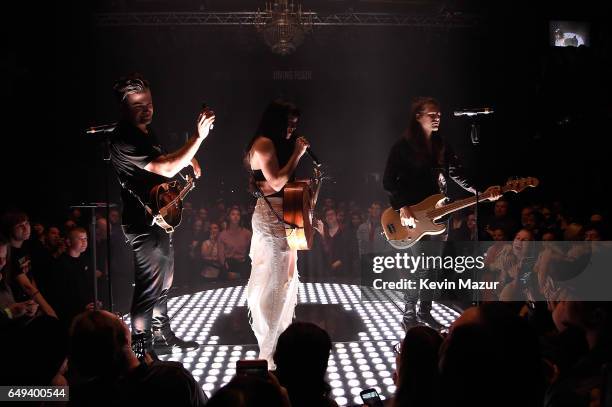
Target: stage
363 324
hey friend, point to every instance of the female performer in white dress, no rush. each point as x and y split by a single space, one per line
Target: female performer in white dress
272 156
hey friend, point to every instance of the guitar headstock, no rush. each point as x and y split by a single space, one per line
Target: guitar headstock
519 184
189 183
317 172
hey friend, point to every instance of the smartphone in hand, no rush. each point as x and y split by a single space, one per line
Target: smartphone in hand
371 398
257 368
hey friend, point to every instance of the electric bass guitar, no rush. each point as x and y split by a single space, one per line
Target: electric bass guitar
433 208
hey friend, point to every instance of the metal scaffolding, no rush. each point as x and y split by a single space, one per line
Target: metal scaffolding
440 20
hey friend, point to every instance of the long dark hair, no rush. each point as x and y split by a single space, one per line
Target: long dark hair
415 135
273 125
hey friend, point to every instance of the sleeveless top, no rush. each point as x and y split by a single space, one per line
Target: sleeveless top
284 149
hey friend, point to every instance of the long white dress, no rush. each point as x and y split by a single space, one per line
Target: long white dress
272 290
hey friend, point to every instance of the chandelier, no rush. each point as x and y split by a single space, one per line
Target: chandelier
283 26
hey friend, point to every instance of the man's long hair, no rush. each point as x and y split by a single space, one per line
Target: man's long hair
415 135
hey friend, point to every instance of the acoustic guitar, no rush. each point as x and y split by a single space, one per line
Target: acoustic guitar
299 201
433 208
167 203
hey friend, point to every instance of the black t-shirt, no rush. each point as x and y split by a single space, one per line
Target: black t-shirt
44 269
73 288
21 263
131 151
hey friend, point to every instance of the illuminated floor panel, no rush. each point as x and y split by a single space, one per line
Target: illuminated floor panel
365 361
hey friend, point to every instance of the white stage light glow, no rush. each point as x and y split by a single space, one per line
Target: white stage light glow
366 361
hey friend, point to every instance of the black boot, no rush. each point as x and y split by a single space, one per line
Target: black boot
424 316
409 318
165 342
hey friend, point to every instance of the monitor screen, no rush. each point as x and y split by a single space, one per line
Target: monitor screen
569 33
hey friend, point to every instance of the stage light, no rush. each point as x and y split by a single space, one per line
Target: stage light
214 362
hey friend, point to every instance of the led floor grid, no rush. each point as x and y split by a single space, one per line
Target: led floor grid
353 366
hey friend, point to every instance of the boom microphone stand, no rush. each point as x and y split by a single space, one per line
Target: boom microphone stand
473 115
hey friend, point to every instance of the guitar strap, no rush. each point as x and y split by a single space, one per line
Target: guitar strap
259 194
125 186
158 219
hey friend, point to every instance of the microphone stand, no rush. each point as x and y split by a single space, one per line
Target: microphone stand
475 139
106 134
107 160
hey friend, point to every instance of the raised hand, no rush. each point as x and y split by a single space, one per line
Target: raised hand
205 122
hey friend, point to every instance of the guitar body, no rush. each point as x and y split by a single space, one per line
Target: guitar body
167 204
433 208
402 237
298 210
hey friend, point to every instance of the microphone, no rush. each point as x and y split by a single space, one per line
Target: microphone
473 112
310 153
105 128
313 157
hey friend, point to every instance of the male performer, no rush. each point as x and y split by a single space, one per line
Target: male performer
418 166
140 164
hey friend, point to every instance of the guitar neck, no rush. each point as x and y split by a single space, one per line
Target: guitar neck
185 190
319 181
188 187
460 204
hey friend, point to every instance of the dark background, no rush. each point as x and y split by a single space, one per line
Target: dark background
552 105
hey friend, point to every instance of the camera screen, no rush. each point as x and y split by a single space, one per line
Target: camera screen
370 395
569 33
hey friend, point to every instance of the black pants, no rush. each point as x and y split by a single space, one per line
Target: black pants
428 246
153 273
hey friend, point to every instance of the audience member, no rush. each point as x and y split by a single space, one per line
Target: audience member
234 243
250 391
301 357
16 225
416 376
104 371
491 357
74 291
209 251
